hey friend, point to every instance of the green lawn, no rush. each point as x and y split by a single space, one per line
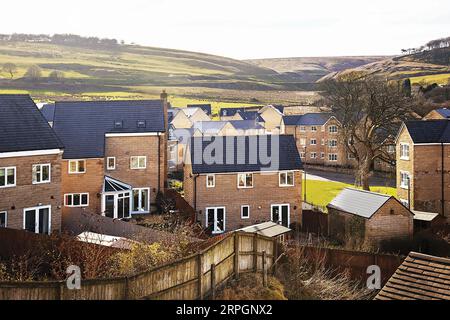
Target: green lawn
320 193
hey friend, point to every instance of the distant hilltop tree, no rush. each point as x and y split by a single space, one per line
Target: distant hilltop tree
63 39
430 45
33 73
56 76
10 68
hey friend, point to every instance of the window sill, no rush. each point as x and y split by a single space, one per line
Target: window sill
43 182
140 212
285 185
404 158
245 187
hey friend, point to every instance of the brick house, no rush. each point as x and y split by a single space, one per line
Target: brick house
116 155
269 117
30 167
234 186
317 139
423 165
368 217
438 114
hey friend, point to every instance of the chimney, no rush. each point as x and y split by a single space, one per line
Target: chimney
163 97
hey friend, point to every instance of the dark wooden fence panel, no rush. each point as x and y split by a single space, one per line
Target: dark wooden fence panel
314 222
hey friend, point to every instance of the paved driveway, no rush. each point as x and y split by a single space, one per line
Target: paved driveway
376 180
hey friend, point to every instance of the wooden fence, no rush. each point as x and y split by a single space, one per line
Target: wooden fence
192 277
355 262
315 221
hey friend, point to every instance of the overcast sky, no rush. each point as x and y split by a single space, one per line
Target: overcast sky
241 28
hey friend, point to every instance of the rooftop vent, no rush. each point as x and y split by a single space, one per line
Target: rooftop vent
118 124
141 124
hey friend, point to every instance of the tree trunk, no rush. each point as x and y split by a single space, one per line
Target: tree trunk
364 171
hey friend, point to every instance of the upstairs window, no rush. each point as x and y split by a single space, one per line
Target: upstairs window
332 157
41 173
313 142
390 148
302 128
210 181
332 143
313 128
322 155
286 179
313 155
404 179
245 180
404 151
302 141
111 163
7 177
138 162
77 166
332 129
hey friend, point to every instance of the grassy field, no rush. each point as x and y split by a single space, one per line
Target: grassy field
320 193
435 78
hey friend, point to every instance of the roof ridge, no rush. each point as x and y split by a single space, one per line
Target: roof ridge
429 257
107 101
368 191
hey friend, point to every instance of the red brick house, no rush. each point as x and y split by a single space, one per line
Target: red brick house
230 183
116 159
30 167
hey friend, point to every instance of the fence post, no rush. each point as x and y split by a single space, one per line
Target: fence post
236 255
61 286
213 281
255 252
200 275
275 255
264 269
127 289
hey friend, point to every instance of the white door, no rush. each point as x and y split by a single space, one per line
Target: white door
37 219
117 205
215 219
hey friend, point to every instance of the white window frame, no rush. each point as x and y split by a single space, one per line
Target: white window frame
285 184
108 167
138 158
78 167
302 128
280 221
404 202
391 148
313 129
350 156
242 211
322 155
49 173
6 185
334 130
215 215
332 143
313 155
140 200
402 173
313 141
303 141
402 156
72 195
6 218
36 219
245 180
330 156
302 155
214 180
322 142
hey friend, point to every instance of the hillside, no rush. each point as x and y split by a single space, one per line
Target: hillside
311 69
423 67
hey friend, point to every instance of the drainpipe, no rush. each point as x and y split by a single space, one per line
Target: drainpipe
159 163
442 181
195 196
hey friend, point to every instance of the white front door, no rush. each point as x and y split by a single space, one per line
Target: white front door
280 213
117 205
215 219
37 219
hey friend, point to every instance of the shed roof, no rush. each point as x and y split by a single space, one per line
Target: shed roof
359 202
419 277
268 229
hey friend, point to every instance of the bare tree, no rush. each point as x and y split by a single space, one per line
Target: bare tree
369 110
34 73
56 76
10 68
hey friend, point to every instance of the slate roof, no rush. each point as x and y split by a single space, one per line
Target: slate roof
429 131
444 112
23 127
251 115
419 277
209 126
82 125
48 111
228 112
234 159
183 136
204 107
307 119
358 202
245 124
